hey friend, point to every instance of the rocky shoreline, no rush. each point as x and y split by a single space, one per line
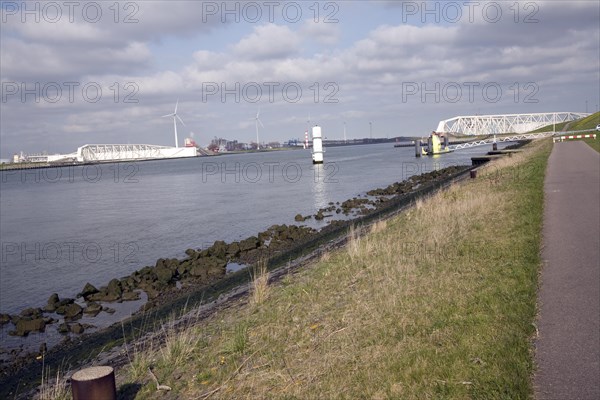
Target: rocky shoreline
173 278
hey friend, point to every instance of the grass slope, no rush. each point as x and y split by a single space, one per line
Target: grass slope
437 302
589 122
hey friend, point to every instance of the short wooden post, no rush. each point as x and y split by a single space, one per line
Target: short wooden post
94 383
473 173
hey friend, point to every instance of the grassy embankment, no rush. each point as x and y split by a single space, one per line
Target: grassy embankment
589 122
437 302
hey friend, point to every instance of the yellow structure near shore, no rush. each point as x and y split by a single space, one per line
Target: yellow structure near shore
436 144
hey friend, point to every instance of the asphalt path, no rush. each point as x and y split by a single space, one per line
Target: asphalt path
568 344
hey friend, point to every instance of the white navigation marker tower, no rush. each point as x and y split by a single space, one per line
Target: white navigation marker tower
175 118
256 122
317 154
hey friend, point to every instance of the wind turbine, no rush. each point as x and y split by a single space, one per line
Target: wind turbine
256 122
175 118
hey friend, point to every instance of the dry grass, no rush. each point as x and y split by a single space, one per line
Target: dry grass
435 303
54 388
260 284
379 226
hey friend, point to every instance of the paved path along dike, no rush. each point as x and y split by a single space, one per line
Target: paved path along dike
568 346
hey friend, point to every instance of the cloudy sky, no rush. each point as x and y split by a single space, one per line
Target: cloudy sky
103 72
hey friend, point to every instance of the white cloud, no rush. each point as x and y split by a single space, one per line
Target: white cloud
268 42
559 54
324 33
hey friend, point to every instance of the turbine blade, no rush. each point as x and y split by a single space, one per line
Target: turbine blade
176 104
260 122
168 115
180 120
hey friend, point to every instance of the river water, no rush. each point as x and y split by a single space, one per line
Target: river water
63 227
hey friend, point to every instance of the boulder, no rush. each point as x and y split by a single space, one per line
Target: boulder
172 264
31 313
163 275
299 218
63 328
215 267
61 306
53 299
131 282
233 250
147 275
199 271
183 268
130 296
218 249
88 290
203 253
25 326
76 328
4 319
114 288
92 308
249 244
73 311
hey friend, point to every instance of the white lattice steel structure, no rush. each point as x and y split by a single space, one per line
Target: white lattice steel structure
507 123
130 152
116 152
513 138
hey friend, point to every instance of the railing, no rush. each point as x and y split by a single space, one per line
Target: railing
513 138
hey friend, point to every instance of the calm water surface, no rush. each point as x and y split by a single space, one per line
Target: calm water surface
63 227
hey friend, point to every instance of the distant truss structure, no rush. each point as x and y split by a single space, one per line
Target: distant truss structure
507 123
130 152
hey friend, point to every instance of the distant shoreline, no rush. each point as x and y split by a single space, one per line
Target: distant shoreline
337 143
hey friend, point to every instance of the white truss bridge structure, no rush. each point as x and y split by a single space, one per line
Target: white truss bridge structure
513 138
91 153
130 152
506 123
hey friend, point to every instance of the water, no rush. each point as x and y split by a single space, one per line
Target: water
61 228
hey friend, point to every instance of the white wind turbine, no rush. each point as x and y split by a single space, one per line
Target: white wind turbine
175 118
256 122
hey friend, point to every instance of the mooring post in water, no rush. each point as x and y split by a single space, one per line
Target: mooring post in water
418 148
94 383
495 146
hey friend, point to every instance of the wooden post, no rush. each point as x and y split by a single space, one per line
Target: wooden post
94 383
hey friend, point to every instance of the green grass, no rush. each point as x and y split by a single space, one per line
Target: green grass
589 122
594 143
554 127
438 302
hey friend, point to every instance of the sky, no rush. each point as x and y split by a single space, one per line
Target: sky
79 72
